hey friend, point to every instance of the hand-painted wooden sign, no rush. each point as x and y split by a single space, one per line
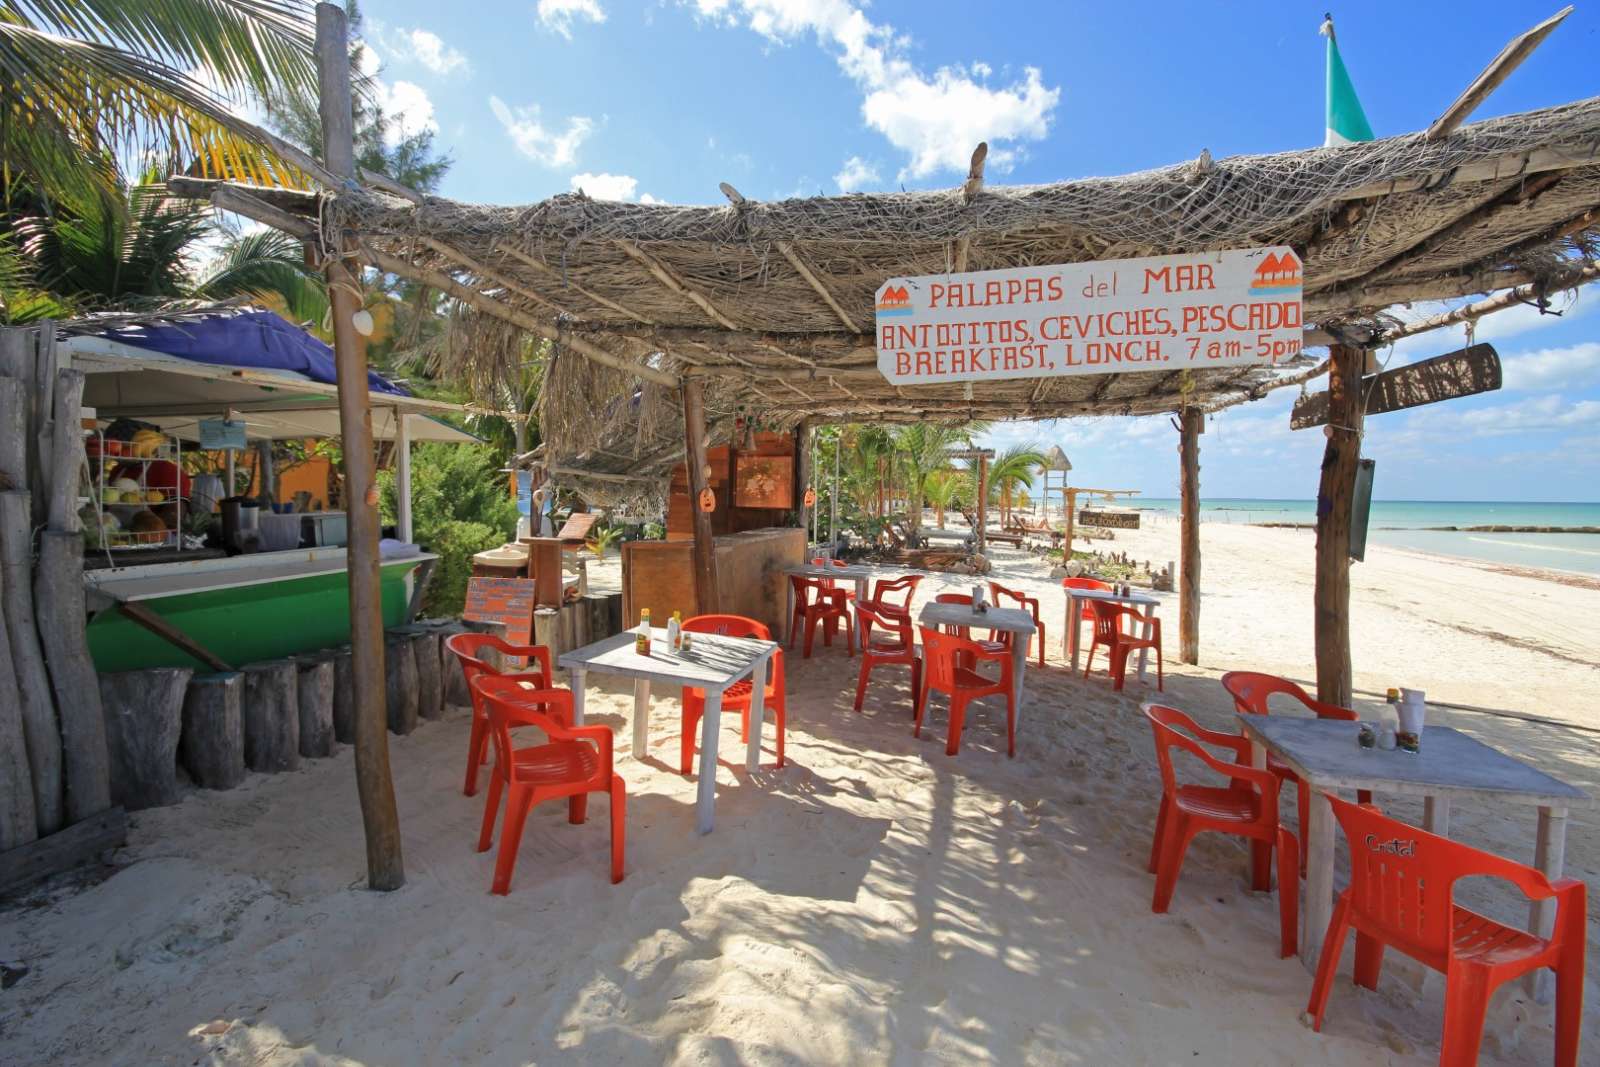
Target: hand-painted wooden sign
1210 309
504 600
1462 373
1121 520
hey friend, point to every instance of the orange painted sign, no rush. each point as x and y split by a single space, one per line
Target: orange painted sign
504 600
1209 309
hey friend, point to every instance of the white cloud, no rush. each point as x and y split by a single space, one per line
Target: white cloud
611 187
856 174
1528 416
559 15
539 143
426 48
937 119
1574 367
409 110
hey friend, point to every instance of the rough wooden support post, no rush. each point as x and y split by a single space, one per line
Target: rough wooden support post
1335 498
374 782
344 697
144 716
804 464
37 706
707 599
18 821
980 536
58 596
453 677
212 744
271 716
314 699
1193 422
400 683
430 682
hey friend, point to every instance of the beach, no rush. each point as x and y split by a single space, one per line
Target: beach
875 901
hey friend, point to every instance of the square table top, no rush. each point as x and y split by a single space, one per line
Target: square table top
812 570
1324 753
1106 594
1011 620
712 661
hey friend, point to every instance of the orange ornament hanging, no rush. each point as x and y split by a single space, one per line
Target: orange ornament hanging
708 500
811 498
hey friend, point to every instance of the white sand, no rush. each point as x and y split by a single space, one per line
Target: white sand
874 902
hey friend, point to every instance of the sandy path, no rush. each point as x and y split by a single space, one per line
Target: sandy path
875 902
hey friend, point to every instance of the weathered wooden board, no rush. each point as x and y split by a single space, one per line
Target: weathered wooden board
1455 374
77 844
1119 520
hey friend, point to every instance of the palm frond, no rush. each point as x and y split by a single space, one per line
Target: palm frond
265 264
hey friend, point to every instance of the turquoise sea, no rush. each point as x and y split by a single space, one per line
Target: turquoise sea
1412 524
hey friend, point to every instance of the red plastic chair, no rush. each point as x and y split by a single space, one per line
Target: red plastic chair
468 648
1400 896
945 668
891 597
812 605
737 696
1246 807
896 645
1108 634
1086 615
1027 603
1250 692
574 762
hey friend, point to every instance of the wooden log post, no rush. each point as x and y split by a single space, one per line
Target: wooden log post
1335 500
374 781
271 716
1192 425
314 700
58 598
18 820
35 702
980 535
144 718
707 599
211 747
430 680
66 458
344 696
400 683
453 680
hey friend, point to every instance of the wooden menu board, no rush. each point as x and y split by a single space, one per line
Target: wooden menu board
764 481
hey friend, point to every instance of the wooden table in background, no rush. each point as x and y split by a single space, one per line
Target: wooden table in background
712 663
1450 766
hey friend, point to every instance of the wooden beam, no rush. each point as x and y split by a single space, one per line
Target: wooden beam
374 783
677 285
524 258
489 274
1335 500
1192 422
787 251
171 634
969 193
1498 168
1499 302
62 851
981 535
1499 68
490 306
707 599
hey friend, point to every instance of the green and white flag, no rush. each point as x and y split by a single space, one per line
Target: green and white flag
1347 123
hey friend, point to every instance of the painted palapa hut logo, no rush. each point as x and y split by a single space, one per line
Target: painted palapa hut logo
1277 274
896 300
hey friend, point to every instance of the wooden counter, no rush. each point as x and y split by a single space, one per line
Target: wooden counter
660 576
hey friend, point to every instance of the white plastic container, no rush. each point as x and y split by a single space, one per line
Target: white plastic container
1413 711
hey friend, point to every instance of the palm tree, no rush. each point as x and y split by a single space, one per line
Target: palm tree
924 449
1012 468
943 488
90 84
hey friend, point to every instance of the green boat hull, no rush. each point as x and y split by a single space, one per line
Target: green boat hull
245 624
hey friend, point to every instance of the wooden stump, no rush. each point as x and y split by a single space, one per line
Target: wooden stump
344 697
212 746
400 683
144 716
314 694
35 702
425 646
58 598
271 716
454 681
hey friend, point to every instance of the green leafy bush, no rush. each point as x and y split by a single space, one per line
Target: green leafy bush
456 543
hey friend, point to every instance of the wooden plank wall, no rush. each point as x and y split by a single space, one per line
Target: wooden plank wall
727 518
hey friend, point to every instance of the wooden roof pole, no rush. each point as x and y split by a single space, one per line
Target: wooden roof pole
374 784
1499 68
969 192
1499 302
666 277
707 600
1192 423
522 257
1335 500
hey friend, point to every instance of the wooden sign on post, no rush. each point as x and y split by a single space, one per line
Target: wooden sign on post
503 600
1120 520
1207 309
1454 374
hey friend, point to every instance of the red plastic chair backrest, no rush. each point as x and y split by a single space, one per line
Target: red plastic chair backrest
727 626
1026 603
804 587
1085 583
954 598
1250 691
508 704
896 623
1107 619
885 586
1173 729
1401 878
940 653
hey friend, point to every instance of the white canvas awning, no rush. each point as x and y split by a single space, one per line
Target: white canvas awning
175 394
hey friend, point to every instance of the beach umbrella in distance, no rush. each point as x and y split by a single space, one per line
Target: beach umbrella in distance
1056 460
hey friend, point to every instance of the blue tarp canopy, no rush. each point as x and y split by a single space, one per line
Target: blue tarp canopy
250 338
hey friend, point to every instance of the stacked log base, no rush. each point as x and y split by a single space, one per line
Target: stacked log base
212 745
315 700
272 716
400 683
143 717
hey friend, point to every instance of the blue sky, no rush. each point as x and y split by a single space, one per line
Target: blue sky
664 100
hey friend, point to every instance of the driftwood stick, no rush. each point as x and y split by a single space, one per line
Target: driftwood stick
41 470
35 702
212 743
58 597
144 717
66 460
13 426
18 821
149 620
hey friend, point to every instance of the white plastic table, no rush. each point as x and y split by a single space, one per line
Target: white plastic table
1450 765
1075 599
712 663
1014 621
